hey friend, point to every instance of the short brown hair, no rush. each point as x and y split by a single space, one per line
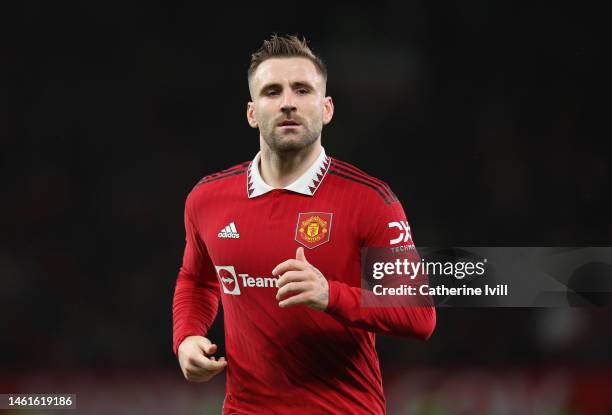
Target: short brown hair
289 46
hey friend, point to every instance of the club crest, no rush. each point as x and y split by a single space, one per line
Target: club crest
313 229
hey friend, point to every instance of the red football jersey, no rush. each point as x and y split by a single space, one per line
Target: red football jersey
292 360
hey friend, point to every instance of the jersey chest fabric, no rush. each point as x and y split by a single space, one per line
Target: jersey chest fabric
293 360
279 356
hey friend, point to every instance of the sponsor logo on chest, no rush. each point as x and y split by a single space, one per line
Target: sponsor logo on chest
231 281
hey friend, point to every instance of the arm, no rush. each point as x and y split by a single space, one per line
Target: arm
194 307
400 316
406 321
411 316
196 295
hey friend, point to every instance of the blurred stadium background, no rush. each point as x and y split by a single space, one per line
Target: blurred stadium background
485 118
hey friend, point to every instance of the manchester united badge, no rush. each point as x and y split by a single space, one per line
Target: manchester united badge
313 229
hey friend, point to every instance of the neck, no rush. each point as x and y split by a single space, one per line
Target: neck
279 170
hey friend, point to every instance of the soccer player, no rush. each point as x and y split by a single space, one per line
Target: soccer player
279 239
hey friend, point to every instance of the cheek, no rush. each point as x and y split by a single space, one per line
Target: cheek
259 116
318 115
315 112
263 114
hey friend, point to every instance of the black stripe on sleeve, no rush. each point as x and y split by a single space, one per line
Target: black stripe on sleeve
223 173
363 174
355 179
369 179
212 178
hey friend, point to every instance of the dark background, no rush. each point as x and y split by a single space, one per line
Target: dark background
487 120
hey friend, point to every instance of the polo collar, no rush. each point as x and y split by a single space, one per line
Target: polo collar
307 184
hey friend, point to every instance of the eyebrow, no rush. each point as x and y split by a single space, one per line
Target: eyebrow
294 85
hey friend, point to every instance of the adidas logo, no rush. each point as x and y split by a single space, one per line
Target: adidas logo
229 231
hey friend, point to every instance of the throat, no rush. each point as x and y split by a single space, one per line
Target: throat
281 170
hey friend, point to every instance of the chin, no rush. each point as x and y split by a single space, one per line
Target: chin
289 142
291 147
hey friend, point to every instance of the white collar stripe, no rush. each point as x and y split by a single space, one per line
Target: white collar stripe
307 184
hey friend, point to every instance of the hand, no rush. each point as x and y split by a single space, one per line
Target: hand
301 283
196 360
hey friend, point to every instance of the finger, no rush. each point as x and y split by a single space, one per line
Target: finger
300 255
217 364
206 346
221 359
292 276
289 265
203 362
293 288
197 372
303 298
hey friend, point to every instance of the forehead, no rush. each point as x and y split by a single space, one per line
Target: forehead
286 70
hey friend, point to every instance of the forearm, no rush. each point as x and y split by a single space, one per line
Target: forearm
194 308
346 305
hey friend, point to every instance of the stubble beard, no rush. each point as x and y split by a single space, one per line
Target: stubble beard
290 142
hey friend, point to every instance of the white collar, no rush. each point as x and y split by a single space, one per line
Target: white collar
307 184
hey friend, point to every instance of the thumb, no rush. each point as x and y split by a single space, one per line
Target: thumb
299 255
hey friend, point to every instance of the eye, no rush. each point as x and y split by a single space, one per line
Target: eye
272 92
302 91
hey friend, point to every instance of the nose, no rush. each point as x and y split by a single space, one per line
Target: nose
287 103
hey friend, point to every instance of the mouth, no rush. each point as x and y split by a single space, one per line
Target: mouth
289 124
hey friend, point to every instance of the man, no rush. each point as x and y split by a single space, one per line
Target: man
279 240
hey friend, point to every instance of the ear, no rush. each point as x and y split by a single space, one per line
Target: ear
328 110
250 113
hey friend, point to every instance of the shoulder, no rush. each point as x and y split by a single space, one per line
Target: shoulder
236 170
375 189
221 179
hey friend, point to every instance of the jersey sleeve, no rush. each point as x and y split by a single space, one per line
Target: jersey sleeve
196 294
386 237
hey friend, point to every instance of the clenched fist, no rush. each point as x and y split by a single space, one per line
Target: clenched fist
195 356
